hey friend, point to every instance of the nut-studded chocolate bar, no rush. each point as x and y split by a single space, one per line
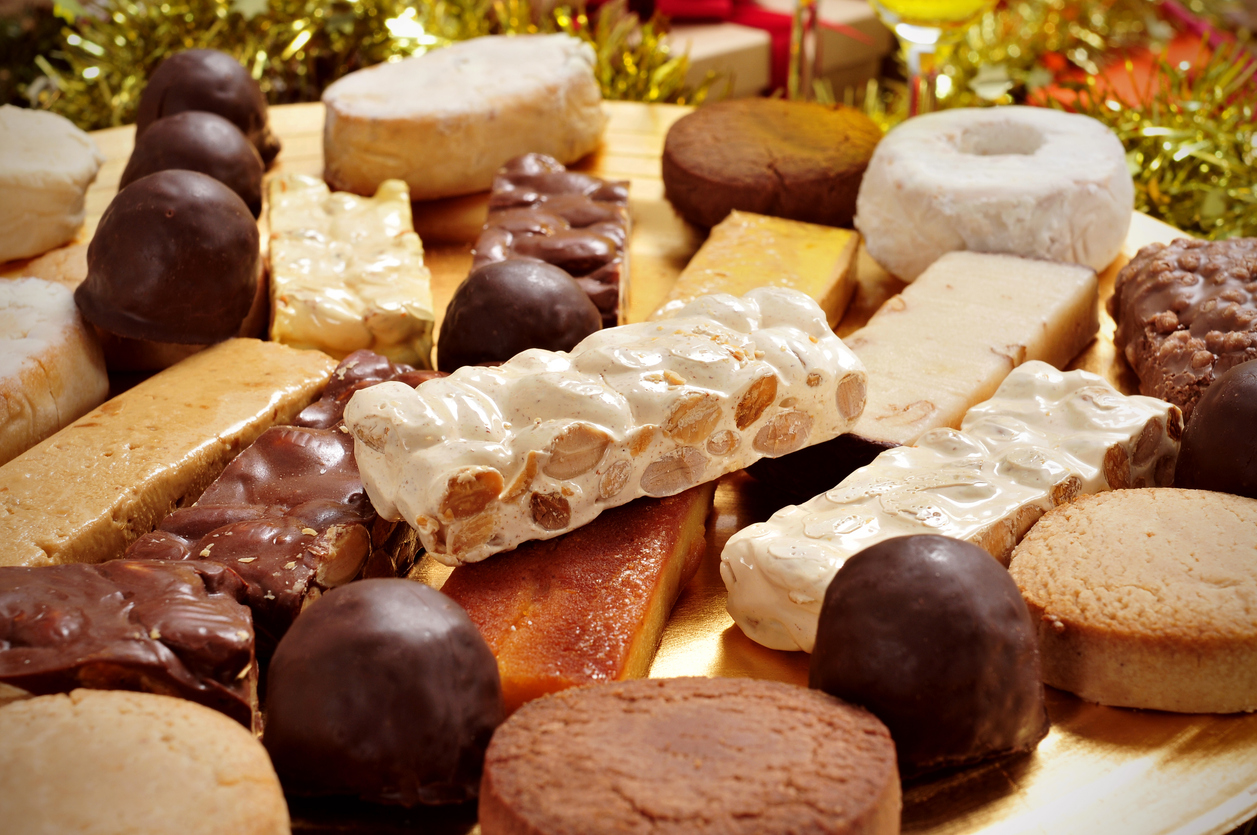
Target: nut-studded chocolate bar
177 629
289 515
1044 438
540 211
487 458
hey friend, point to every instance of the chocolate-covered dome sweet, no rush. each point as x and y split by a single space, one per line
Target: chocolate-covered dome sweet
206 79
931 634
382 689
506 307
199 141
1219 450
174 259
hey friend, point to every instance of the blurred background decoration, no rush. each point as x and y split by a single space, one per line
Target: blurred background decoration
1175 79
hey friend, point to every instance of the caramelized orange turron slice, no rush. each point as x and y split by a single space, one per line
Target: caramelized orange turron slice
590 605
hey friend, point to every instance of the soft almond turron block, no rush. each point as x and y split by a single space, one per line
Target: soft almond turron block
87 492
486 458
1045 438
590 605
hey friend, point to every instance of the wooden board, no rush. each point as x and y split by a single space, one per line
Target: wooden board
1101 770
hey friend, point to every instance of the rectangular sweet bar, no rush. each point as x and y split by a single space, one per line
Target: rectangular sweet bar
747 250
347 272
87 492
487 458
177 629
1045 438
589 606
949 340
540 211
289 514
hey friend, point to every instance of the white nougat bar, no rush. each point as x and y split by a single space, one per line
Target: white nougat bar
486 458
1046 437
953 335
347 272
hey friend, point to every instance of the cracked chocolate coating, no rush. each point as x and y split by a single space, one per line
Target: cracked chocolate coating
383 689
797 160
1186 312
290 514
157 627
931 634
540 211
204 142
1219 450
174 259
213 81
505 307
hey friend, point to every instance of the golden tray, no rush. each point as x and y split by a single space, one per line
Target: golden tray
1100 770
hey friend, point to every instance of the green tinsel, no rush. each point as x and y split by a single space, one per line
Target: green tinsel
295 48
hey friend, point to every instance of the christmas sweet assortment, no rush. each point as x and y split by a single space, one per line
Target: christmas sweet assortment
288 566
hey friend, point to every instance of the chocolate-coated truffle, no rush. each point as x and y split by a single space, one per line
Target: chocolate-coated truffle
931 635
174 259
509 306
206 79
1219 449
198 141
382 689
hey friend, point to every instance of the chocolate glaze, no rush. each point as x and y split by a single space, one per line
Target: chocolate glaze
290 514
539 210
204 142
931 634
1186 312
1219 450
175 259
383 689
800 475
156 627
213 81
505 307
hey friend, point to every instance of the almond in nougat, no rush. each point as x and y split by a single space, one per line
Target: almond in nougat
589 606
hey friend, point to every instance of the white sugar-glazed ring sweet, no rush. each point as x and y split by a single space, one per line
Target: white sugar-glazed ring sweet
1025 181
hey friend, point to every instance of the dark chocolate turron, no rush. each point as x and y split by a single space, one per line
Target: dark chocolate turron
176 629
290 514
540 211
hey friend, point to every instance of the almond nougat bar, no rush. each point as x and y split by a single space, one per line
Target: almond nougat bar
486 458
1046 437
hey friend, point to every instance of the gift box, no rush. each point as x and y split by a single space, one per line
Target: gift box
748 42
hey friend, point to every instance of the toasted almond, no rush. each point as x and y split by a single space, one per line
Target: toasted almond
1117 467
469 492
576 450
550 510
339 553
521 483
674 471
851 396
786 432
1149 440
723 442
758 397
473 532
614 479
693 417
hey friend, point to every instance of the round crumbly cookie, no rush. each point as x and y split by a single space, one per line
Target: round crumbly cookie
796 160
107 761
690 755
1145 598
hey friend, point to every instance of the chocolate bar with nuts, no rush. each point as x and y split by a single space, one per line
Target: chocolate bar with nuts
540 211
176 629
289 515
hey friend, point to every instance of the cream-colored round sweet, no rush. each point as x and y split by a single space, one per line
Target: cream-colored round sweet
1025 181
52 370
46 165
1147 598
107 761
447 120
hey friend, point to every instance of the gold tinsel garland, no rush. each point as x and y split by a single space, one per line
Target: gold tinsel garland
295 48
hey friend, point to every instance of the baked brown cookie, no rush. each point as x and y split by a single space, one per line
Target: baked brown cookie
797 160
1143 598
113 762
1186 312
690 755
